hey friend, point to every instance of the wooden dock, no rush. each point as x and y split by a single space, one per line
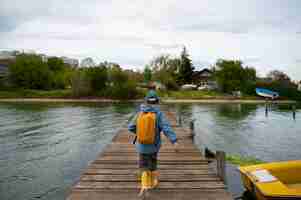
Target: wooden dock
184 174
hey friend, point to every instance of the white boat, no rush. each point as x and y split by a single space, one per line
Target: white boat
267 93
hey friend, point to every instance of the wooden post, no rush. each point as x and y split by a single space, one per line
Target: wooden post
221 165
266 109
294 112
179 119
192 128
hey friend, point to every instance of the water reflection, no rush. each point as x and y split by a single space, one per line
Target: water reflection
235 111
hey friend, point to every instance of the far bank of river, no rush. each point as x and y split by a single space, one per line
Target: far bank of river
83 100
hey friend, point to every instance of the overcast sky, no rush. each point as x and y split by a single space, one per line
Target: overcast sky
265 34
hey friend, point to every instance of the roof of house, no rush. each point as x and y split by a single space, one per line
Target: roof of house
203 71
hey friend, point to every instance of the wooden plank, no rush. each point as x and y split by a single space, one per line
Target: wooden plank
161 158
162 185
163 178
171 162
135 166
165 150
132 147
92 171
186 156
162 154
216 194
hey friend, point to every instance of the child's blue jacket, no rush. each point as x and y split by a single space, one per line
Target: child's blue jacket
162 125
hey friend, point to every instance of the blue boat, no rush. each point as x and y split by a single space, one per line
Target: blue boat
267 93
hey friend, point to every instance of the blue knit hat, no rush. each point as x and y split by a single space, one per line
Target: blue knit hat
152 97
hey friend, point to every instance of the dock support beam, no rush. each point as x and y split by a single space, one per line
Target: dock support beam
179 119
266 109
221 165
294 112
191 125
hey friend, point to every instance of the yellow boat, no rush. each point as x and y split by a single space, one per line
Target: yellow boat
273 181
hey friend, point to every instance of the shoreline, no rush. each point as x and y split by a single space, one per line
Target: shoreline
95 100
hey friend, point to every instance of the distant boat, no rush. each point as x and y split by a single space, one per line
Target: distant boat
267 93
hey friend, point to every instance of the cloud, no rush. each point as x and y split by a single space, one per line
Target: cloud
158 46
133 31
252 60
214 16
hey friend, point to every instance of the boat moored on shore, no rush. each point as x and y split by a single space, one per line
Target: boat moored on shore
267 93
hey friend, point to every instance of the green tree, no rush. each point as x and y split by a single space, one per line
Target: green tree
136 76
160 62
231 76
147 74
185 69
60 73
277 75
55 64
80 83
248 84
166 78
30 72
97 77
121 87
250 74
165 70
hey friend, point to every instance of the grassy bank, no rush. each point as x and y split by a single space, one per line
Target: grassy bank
36 94
242 160
200 95
26 93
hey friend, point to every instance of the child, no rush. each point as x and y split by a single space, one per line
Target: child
147 125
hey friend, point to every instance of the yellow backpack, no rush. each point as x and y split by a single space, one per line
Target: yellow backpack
146 127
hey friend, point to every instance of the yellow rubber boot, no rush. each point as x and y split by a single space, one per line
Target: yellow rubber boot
146 182
146 179
155 180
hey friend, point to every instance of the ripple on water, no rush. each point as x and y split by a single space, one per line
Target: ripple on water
43 148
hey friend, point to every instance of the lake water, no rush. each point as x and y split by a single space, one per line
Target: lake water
44 147
248 130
